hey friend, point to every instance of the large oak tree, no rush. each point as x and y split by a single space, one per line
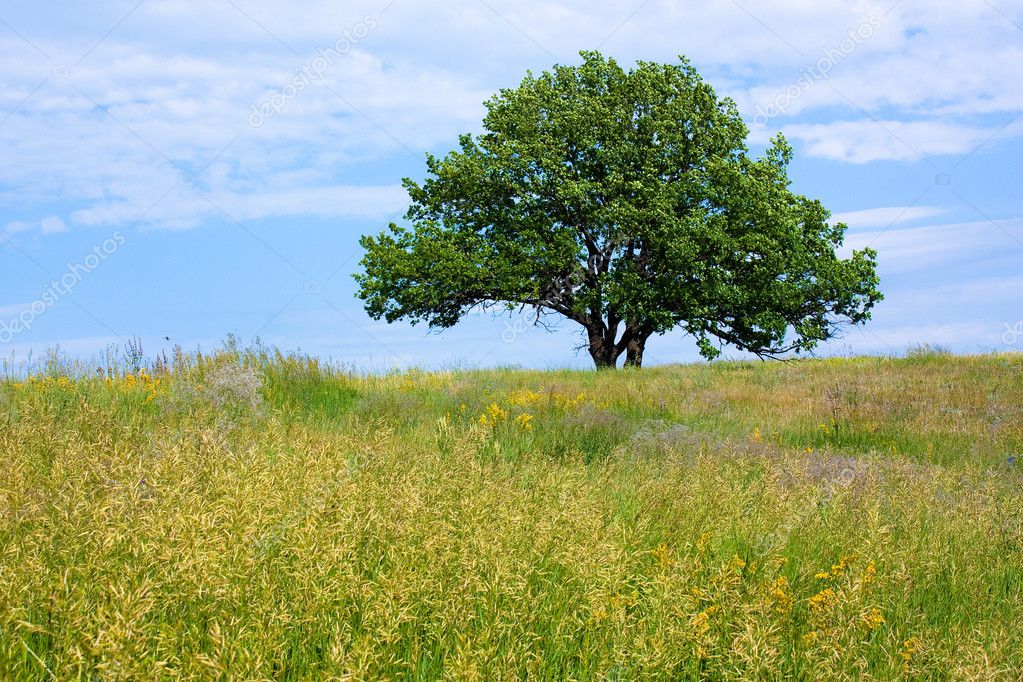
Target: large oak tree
624 201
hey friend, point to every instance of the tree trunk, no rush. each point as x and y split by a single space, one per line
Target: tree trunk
634 352
602 352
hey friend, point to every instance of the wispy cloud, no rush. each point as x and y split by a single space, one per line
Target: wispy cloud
162 99
915 248
867 140
885 216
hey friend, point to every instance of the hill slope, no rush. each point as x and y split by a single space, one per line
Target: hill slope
263 516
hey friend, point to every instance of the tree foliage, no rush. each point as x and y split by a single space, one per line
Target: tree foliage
624 201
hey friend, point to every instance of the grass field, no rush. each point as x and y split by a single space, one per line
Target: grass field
252 515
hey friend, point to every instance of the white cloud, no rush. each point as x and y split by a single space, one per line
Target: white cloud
1008 289
964 336
142 125
16 226
49 225
915 248
166 92
13 309
869 140
52 224
886 216
185 207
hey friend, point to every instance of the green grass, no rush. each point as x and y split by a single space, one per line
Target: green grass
255 515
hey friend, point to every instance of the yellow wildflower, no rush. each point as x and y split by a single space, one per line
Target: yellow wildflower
701 544
843 563
525 421
701 622
910 647
780 595
663 555
523 398
823 600
493 414
873 618
496 412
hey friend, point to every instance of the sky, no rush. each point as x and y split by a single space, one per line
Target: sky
180 170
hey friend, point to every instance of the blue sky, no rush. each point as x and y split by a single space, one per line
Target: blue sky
188 169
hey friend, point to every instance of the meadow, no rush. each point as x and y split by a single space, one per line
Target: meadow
248 514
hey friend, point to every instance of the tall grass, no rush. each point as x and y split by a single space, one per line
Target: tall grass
250 514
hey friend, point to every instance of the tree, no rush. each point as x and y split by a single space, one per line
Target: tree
624 201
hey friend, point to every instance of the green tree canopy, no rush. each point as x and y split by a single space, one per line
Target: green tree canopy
624 201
